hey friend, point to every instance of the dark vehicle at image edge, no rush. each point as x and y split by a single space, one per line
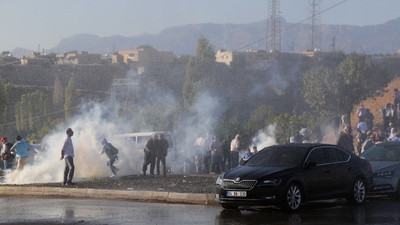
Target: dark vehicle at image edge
288 175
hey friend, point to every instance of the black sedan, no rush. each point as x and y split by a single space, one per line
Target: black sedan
288 175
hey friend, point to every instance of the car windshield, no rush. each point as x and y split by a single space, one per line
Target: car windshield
382 153
278 157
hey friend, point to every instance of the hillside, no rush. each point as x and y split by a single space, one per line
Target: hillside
376 39
375 104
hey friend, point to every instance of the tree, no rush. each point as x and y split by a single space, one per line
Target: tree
199 70
70 103
260 118
335 91
32 112
58 93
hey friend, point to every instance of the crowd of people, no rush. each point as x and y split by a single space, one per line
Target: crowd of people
14 155
214 156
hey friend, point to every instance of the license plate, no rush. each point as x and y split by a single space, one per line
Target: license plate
236 194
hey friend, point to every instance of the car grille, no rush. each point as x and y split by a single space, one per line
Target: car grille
241 185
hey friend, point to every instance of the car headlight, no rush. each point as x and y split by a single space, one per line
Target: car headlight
275 181
384 174
219 180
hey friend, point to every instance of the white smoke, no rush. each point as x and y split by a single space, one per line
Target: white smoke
265 138
90 126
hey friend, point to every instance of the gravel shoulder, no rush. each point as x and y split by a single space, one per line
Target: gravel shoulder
180 183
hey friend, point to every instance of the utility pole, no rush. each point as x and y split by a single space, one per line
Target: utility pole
273 27
315 24
333 45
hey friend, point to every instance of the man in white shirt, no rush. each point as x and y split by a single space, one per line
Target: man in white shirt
235 147
67 152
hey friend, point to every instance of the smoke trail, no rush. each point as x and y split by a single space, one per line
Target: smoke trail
265 138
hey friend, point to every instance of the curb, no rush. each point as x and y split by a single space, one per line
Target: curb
170 197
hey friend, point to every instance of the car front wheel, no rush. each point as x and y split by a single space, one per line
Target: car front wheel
358 192
292 198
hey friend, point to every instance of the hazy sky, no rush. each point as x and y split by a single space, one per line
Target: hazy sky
27 23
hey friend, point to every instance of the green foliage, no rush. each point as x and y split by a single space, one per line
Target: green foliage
32 112
199 69
260 118
335 91
289 125
70 103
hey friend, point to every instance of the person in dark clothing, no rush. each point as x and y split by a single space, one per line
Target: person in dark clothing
387 116
369 119
216 155
226 151
161 154
335 124
6 154
318 134
345 139
112 154
150 154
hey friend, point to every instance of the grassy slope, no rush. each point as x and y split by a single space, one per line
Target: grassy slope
375 104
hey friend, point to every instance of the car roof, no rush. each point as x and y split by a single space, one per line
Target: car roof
389 143
301 145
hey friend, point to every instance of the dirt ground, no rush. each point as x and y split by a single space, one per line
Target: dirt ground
171 183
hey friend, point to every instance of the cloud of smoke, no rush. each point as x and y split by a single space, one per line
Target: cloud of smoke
97 120
201 119
265 138
90 126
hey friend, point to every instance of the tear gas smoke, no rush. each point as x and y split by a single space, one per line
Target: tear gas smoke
89 126
265 138
97 120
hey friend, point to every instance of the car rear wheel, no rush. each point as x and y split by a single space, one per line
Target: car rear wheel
229 206
292 198
358 192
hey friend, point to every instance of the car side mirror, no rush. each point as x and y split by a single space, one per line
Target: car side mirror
310 164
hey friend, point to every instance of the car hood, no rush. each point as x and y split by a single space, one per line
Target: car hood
254 172
378 165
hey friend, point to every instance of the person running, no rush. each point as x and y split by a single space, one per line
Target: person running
112 154
20 148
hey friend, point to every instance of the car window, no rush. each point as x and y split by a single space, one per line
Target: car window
277 157
338 155
319 156
382 153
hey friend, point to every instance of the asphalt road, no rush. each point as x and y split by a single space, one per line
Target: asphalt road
14 210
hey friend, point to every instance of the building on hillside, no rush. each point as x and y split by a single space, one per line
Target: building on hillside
37 59
6 58
252 59
144 59
78 58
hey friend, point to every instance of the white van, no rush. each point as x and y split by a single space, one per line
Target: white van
139 140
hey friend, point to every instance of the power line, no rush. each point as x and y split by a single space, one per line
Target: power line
287 27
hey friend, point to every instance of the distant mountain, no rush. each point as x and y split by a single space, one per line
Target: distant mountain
376 39
18 52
